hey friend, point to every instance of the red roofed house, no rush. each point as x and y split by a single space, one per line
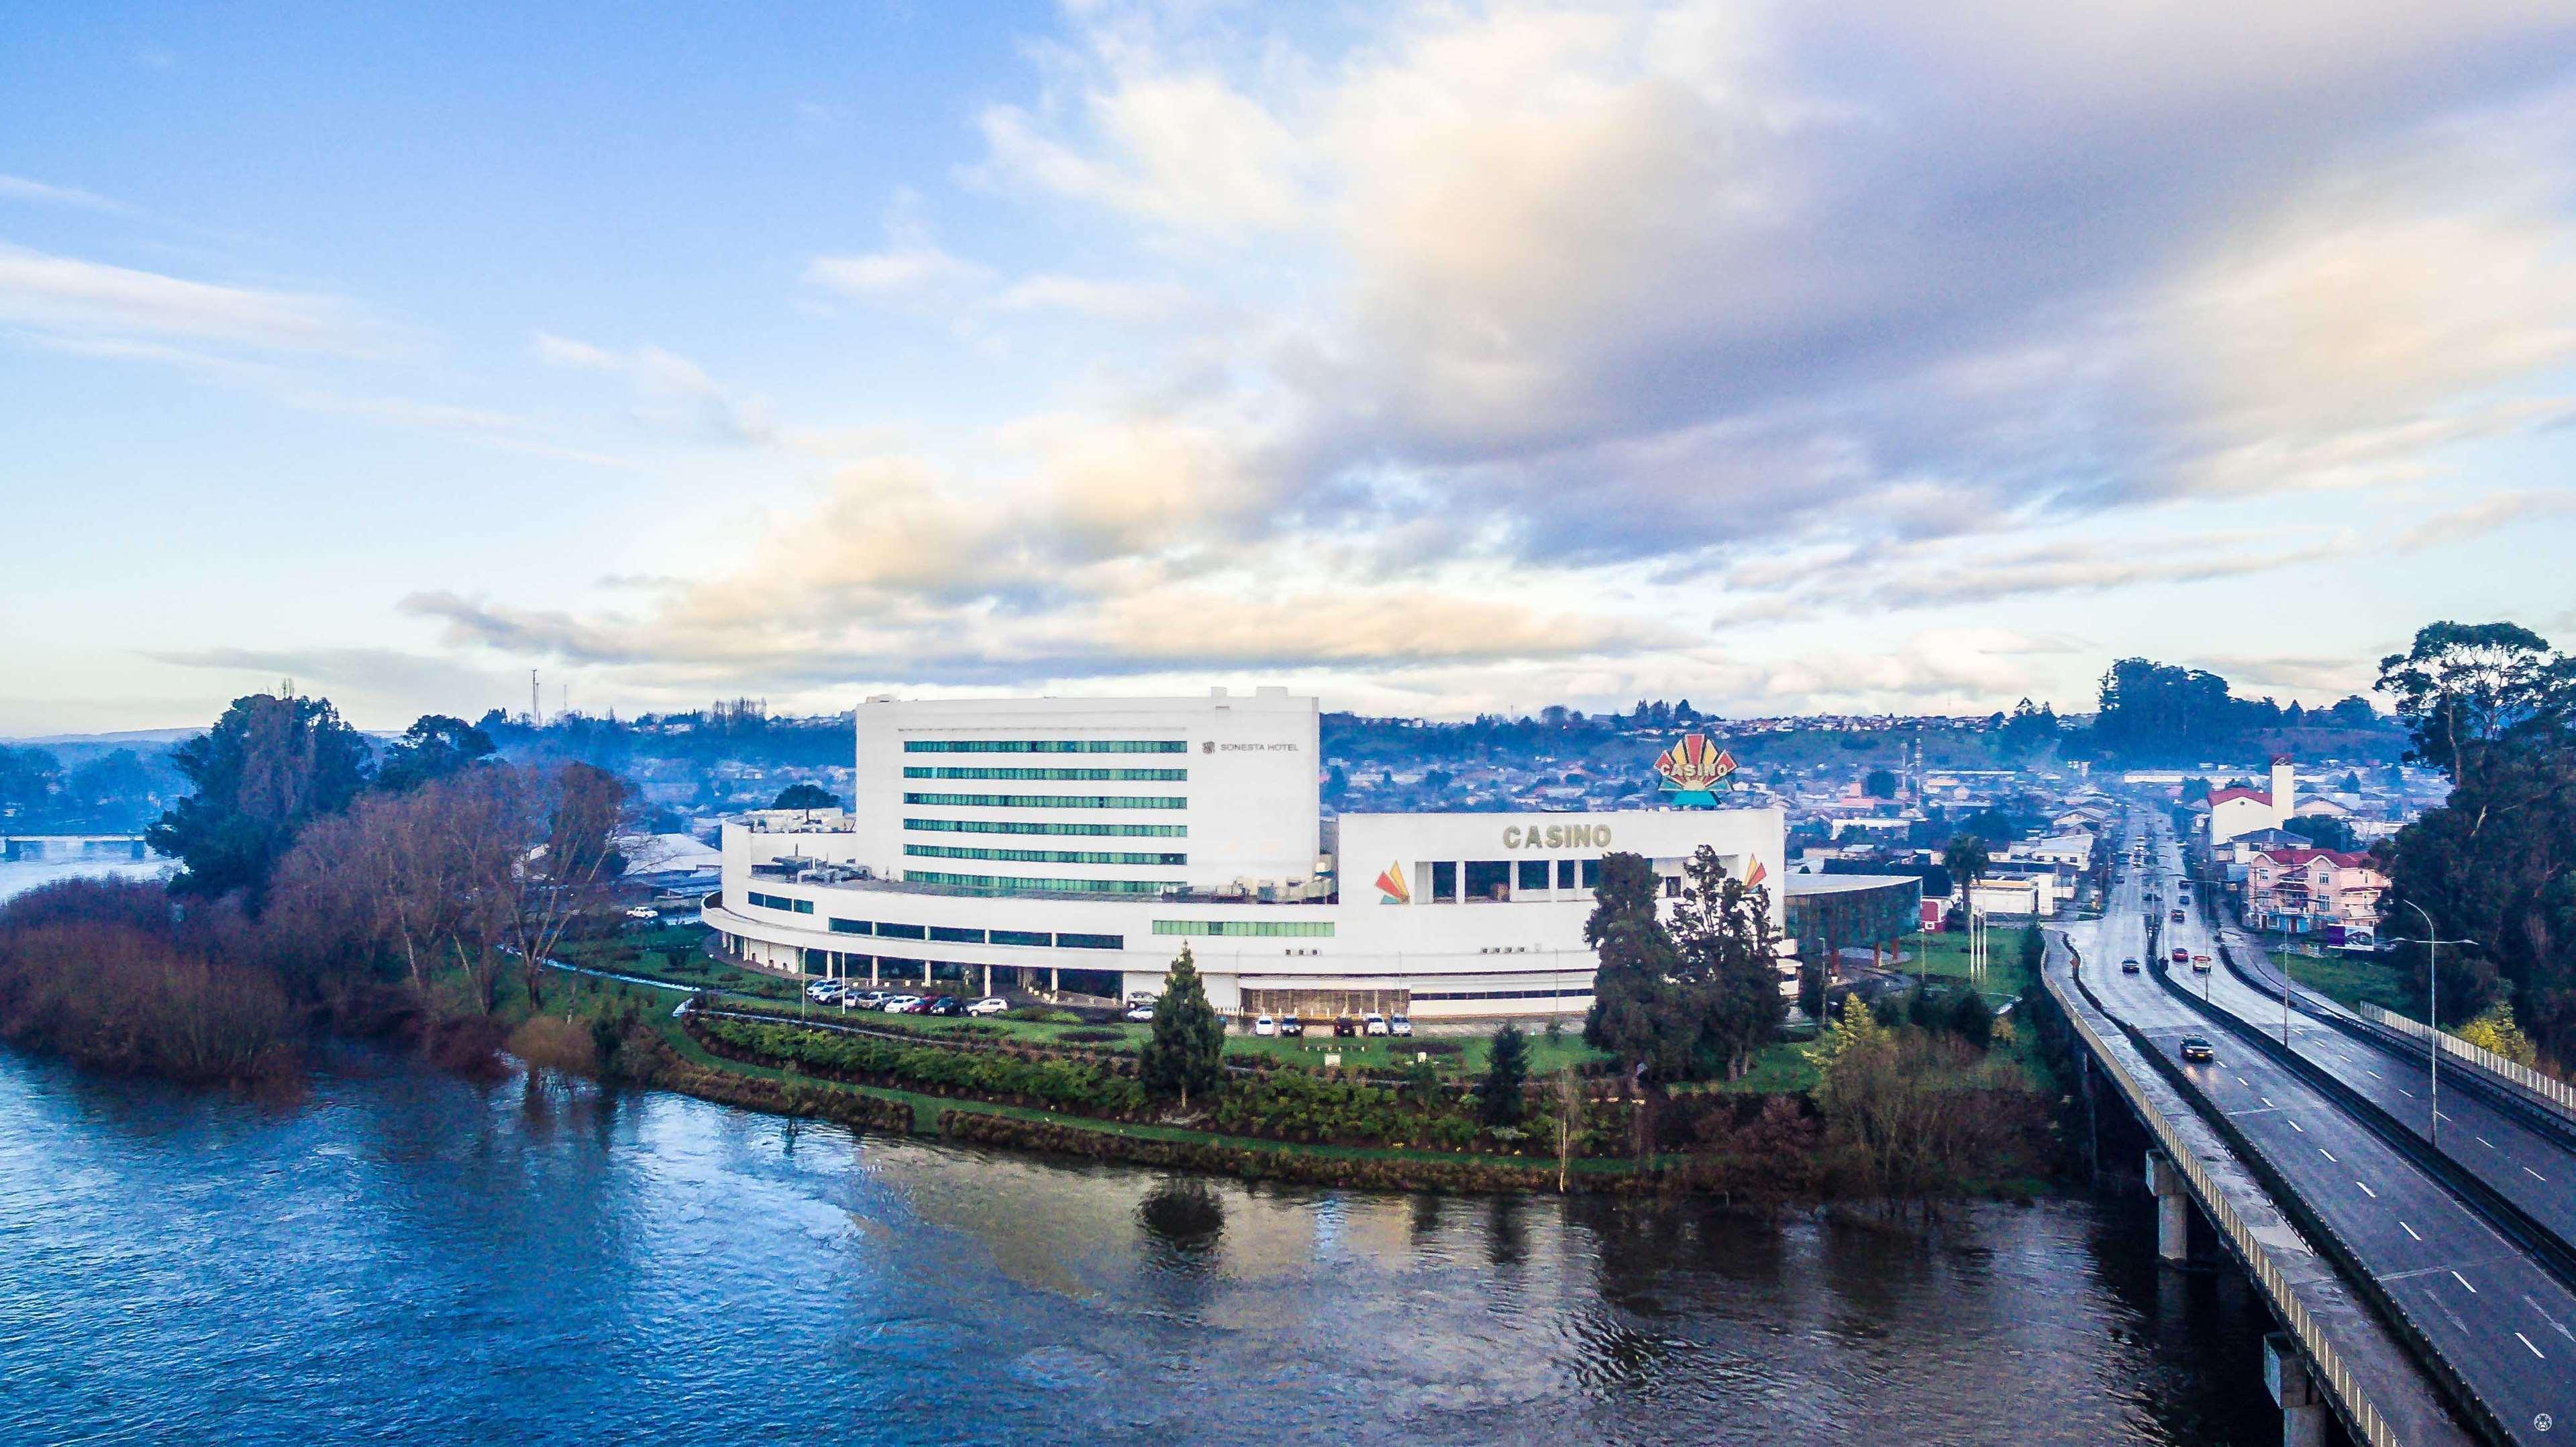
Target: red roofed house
2313 891
2242 811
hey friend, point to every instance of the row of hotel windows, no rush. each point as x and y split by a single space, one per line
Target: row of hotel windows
1156 776
999 882
1046 746
1022 826
1495 878
954 935
1042 856
1050 801
1571 994
1233 928
1247 928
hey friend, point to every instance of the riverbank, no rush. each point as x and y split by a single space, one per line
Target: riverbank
1375 1112
408 1256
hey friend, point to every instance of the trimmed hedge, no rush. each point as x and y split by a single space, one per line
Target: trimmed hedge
727 1087
1052 1082
1390 1173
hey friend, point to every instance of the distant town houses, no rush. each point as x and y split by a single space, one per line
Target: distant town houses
2314 891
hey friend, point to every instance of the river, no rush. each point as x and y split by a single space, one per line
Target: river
405 1256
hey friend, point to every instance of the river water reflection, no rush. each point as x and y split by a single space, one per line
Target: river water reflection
405 1256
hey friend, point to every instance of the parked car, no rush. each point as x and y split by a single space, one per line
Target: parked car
1399 1024
822 990
1264 1025
989 1005
1373 1023
1141 1013
901 1004
1291 1027
866 1000
946 1005
1344 1025
643 912
2195 1048
2128 967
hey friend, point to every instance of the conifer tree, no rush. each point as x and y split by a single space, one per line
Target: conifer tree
1187 1049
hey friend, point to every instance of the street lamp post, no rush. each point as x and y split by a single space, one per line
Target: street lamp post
2433 1009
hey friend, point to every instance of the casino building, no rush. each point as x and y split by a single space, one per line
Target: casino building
1064 847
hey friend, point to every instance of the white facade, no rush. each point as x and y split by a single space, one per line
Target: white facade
1488 921
2235 812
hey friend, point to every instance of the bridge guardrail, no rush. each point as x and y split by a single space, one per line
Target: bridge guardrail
2554 1093
2508 1086
2360 1416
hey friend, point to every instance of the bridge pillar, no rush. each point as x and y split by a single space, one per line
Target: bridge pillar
2303 1412
2173 1208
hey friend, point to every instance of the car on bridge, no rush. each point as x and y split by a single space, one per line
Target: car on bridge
2197 1049
2200 964
2180 955
2128 967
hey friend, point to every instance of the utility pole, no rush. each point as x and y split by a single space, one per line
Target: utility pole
536 717
2433 1008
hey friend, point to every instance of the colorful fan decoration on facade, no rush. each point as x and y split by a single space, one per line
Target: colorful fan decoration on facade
1390 885
1756 874
1692 770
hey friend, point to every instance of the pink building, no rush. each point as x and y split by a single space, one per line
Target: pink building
2310 891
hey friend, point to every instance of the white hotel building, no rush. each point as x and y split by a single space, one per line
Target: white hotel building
1072 846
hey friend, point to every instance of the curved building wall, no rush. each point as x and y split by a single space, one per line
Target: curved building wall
1510 951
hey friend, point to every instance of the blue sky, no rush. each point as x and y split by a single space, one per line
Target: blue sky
1784 357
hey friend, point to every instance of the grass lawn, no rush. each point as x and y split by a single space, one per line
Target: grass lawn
1389 1053
2354 980
673 953
1783 1068
1945 956
1384 1053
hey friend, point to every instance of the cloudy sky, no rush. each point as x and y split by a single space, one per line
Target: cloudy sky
1826 355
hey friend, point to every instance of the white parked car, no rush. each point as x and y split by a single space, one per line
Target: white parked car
1265 1026
1373 1024
1399 1024
822 990
643 911
900 1004
1141 1013
989 1005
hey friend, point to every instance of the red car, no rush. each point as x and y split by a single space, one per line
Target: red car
2182 957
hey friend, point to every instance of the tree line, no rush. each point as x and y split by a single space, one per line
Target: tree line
2494 708
321 878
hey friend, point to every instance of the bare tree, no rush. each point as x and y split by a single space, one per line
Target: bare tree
1569 1115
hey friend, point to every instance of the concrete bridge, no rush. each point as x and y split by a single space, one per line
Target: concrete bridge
30 846
2425 1290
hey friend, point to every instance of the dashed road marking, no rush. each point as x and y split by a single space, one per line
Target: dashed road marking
2367 1191
2294 1125
2464 1281
2329 1155
2535 1175
2490 1145
2410 1230
2535 1351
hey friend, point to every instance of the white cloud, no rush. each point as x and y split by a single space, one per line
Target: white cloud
1115 301
887 273
677 393
68 297
19 188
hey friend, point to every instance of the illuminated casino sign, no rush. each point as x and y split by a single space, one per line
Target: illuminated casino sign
1693 770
